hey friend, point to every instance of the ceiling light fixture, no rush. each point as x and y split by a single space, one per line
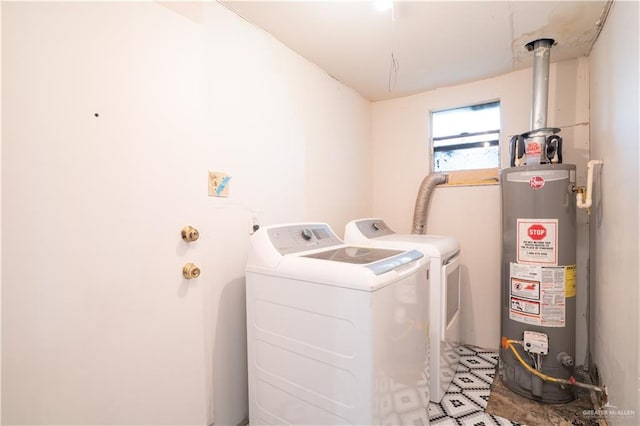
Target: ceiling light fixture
383 5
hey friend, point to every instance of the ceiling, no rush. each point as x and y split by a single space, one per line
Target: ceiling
414 46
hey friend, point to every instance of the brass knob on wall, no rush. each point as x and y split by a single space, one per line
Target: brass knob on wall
190 270
189 234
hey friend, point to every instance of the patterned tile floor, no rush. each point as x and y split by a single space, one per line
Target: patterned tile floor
467 397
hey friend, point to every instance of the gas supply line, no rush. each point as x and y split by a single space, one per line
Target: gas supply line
509 344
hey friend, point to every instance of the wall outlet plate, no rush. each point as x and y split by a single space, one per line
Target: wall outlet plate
254 224
218 184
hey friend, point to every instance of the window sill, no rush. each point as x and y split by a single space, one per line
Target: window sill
478 177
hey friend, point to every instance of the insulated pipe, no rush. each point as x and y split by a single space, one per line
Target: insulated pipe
423 200
583 199
541 56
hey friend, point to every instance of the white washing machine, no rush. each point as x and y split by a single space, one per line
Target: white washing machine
444 308
336 334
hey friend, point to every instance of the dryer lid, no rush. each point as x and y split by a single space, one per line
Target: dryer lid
376 232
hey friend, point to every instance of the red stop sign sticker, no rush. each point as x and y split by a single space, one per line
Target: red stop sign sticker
536 182
537 232
537 241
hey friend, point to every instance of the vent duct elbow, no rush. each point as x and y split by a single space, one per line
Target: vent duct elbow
423 200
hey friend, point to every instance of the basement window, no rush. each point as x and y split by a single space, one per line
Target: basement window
466 138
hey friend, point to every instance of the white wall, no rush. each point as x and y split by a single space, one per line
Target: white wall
98 325
0 218
401 159
614 228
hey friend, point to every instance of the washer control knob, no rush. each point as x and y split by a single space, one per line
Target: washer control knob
306 234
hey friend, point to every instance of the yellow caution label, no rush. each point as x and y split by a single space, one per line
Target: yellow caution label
570 281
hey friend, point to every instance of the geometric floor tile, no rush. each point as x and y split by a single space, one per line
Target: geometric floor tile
470 381
407 399
485 374
414 418
464 402
458 405
476 362
478 419
479 396
500 421
492 357
453 388
436 411
444 421
467 351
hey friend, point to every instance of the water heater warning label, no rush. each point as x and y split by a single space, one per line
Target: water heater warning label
537 294
537 241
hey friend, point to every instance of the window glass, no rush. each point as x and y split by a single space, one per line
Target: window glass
466 138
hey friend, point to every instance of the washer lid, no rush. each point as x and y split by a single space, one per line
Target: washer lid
377 260
357 255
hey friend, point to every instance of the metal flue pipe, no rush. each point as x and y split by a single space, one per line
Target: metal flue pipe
541 57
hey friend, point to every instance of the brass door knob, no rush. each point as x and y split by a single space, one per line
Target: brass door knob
189 234
190 270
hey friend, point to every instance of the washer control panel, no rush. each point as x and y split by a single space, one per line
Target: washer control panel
304 237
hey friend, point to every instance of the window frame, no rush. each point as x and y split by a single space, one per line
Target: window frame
492 141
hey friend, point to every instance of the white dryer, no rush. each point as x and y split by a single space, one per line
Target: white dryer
444 308
336 334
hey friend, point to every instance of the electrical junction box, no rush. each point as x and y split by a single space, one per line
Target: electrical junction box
536 343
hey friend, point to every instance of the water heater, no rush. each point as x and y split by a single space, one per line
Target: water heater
538 288
538 278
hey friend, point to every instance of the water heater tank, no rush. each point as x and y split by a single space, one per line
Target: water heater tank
538 306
